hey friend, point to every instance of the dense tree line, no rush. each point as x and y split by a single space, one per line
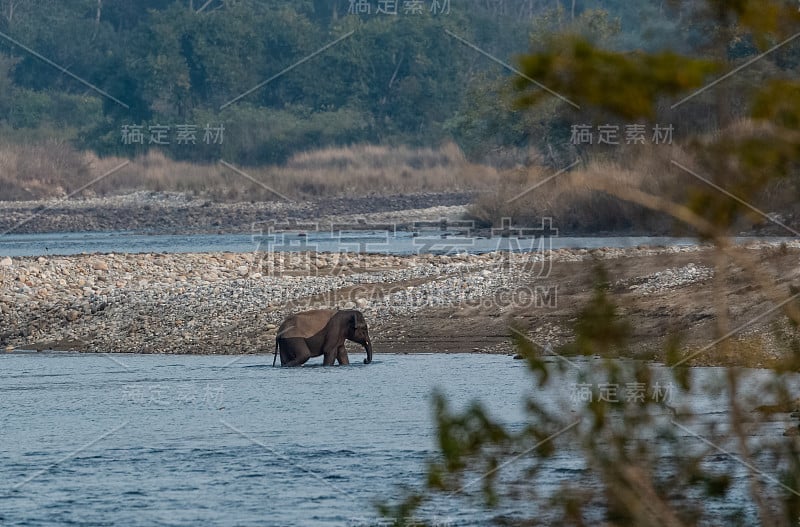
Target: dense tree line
84 70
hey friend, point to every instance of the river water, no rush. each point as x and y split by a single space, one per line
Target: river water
386 242
135 440
369 241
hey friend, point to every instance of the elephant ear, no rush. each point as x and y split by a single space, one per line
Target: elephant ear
358 320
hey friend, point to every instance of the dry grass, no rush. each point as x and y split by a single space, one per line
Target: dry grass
54 169
574 206
41 170
44 171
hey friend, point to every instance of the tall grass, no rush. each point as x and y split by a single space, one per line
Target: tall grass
46 169
53 169
56 170
526 194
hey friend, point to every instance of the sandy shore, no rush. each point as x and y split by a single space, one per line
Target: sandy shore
232 303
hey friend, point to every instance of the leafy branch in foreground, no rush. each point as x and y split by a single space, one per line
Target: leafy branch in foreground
645 460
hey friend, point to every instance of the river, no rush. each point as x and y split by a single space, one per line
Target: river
360 241
372 241
148 440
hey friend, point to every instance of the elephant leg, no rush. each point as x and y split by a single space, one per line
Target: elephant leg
341 356
330 355
286 355
296 351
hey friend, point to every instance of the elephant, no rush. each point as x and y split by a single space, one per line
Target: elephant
321 332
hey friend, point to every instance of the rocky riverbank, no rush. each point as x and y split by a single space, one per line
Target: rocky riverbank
232 303
177 213
217 303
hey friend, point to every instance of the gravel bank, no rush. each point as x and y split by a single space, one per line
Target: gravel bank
174 213
232 303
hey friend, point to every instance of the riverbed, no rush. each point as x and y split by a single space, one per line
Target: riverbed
228 440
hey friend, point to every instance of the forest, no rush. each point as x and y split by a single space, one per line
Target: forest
258 81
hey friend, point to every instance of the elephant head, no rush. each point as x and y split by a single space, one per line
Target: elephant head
359 332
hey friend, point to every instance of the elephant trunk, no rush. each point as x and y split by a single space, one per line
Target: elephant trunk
368 347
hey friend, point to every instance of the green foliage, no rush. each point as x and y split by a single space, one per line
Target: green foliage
596 25
265 136
401 76
532 355
673 358
749 158
490 121
625 442
625 85
6 84
599 329
779 102
412 82
466 439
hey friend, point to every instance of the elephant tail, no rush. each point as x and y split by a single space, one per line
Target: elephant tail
275 358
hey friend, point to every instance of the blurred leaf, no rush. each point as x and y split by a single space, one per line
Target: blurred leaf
674 354
526 348
779 102
628 85
599 330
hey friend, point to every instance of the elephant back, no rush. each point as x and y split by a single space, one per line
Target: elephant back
305 324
